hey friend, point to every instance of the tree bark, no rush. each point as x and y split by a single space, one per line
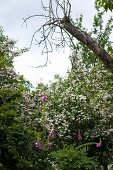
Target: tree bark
89 42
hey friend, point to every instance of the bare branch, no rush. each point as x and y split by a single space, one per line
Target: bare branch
32 16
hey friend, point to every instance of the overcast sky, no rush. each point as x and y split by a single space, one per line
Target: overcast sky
11 14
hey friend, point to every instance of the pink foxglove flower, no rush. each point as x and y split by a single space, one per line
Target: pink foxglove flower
44 98
52 133
39 145
98 145
79 136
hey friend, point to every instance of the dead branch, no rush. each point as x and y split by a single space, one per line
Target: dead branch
58 21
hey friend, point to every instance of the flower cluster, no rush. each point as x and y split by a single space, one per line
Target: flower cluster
52 133
39 145
44 98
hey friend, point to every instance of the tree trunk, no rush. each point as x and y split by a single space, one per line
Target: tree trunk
89 42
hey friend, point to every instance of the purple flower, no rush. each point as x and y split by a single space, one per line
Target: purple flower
79 136
52 133
39 145
98 145
44 98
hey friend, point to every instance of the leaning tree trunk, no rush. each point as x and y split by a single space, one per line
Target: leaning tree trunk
89 42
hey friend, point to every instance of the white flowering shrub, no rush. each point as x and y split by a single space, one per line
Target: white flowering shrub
17 132
80 110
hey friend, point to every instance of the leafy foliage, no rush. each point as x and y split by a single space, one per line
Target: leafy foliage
70 158
18 136
106 4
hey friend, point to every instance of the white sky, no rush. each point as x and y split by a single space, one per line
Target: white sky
11 14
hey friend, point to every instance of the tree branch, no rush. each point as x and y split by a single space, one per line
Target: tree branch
61 21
